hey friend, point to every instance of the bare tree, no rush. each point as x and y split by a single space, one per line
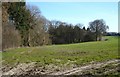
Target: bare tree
38 34
98 27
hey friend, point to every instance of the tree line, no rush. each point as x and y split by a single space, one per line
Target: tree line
24 25
63 33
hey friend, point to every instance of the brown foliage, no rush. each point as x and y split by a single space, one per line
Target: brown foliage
10 36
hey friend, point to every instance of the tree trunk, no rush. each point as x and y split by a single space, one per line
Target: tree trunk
96 37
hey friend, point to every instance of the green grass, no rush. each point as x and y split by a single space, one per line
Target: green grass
78 54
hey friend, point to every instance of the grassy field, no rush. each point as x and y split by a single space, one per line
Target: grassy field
77 54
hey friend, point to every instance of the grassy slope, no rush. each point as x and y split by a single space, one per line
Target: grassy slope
60 54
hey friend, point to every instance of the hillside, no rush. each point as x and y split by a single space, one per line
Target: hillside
62 57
